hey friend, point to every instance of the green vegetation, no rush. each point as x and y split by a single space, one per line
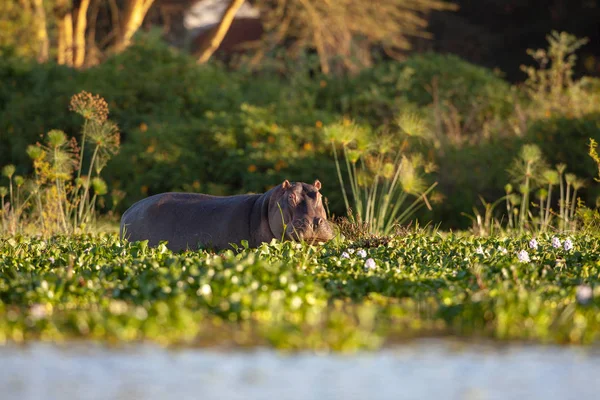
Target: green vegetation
380 173
343 296
430 131
209 129
55 199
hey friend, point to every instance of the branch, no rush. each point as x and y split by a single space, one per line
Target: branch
135 12
212 43
79 37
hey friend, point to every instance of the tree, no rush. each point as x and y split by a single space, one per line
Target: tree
135 12
24 26
218 33
346 30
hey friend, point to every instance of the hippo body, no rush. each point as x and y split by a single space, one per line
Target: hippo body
191 220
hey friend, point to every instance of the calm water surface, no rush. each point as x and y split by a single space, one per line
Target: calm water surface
428 369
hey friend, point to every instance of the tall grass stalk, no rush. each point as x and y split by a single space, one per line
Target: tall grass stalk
381 177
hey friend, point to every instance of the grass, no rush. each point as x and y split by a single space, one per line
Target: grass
293 296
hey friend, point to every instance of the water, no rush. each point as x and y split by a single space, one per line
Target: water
428 369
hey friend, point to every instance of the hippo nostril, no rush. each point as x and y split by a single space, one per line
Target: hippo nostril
318 221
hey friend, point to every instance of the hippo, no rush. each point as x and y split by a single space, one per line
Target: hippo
188 221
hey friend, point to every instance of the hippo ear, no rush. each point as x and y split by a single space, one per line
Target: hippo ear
286 185
317 184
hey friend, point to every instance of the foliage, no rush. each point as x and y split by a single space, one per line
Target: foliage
17 33
552 88
336 297
58 201
381 174
206 128
344 33
531 207
463 102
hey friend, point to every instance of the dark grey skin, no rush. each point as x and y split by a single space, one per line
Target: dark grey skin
188 221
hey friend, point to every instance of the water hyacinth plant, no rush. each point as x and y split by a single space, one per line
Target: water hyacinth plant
381 174
95 287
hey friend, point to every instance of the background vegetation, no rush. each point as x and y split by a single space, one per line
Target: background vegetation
211 129
97 113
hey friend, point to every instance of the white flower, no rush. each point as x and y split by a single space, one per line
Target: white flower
361 253
345 255
205 290
479 250
502 250
523 256
555 242
533 244
38 311
568 245
584 294
51 259
370 264
351 251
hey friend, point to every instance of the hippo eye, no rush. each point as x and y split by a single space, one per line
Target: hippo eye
293 199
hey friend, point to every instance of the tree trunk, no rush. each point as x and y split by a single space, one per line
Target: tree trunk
79 38
91 48
212 43
41 31
135 11
65 33
68 20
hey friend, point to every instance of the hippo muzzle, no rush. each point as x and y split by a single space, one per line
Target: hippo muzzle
317 229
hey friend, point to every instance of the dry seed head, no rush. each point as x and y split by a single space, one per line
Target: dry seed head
90 107
3 191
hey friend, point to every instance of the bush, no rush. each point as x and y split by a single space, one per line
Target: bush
33 100
452 91
467 172
565 140
210 129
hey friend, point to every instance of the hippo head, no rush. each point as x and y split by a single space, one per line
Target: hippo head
299 210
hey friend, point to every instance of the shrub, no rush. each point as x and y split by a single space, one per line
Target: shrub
565 140
460 99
